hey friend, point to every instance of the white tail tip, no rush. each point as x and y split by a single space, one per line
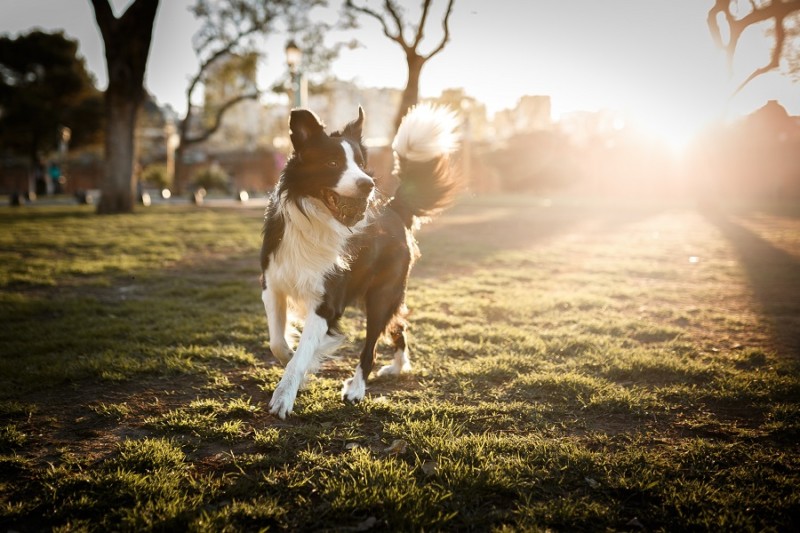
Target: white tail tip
426 132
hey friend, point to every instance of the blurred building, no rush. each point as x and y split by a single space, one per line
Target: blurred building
471 114
754 158
337 104
584 127
252 142
532 113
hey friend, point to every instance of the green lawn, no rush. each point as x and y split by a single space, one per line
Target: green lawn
578 366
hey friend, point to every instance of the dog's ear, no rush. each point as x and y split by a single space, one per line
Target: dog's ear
303 125
353 129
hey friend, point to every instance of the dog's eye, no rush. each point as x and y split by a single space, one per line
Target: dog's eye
332 164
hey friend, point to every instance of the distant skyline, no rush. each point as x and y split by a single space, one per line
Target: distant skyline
650 59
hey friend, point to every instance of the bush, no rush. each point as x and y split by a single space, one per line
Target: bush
156 176
212 178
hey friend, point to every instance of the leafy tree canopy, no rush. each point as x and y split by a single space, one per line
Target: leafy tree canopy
44 85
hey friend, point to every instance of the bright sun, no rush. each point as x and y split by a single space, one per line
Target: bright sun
676 131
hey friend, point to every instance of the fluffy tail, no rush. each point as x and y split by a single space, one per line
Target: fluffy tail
422 147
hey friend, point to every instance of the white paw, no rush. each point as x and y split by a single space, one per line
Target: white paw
282 353
282 400
353 389
399 365
394 369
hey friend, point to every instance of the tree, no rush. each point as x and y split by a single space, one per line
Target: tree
127 45
791 54
223 47
228 51
45 86
735 22
394 27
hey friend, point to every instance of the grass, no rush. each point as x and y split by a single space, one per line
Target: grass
578 366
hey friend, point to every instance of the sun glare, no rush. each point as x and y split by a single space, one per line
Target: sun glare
676 132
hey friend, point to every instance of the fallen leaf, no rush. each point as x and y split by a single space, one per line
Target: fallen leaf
634 522
369 523
429 468
397 447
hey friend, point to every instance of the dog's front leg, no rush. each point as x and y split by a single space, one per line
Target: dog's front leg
275 307
314 331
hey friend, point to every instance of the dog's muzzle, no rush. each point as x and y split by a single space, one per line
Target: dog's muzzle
346 209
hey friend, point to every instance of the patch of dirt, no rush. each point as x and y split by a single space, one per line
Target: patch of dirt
65 422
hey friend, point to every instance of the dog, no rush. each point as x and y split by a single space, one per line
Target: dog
328 242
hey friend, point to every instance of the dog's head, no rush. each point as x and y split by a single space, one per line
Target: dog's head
331 168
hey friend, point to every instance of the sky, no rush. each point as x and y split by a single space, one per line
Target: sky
650 59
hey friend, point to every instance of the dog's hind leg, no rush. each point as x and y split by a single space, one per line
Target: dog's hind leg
275 307
401 363
354 388
379 315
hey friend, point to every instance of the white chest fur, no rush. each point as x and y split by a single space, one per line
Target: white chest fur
311 247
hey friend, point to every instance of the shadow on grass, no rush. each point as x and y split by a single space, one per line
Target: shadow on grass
123 314
474 232
774 276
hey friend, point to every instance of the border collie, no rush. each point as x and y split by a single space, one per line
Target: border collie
329 243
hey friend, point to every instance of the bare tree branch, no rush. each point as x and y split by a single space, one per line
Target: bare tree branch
392 9
225 50
426 5
775 59
366 11
228 31
217 122
414 59
776 10
446 28
720 7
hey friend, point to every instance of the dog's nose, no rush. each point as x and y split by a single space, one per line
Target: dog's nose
365 185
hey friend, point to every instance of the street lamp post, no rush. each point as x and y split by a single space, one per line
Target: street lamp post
173 140
65 134
294 58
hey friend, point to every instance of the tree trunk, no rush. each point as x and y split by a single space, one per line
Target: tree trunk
119 185
179 177
127 45
411 92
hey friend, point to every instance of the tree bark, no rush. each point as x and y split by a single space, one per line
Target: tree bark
119 185
411 92
178 177
127 45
